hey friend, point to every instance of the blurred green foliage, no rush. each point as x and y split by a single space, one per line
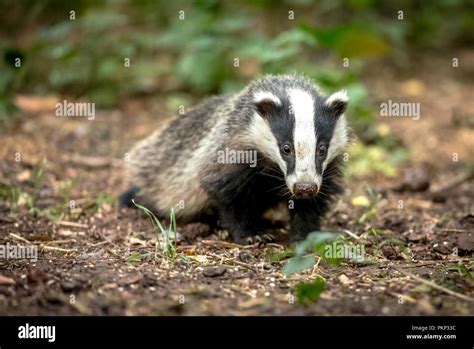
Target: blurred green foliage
195 51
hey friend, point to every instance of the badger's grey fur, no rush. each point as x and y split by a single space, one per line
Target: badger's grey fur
297 134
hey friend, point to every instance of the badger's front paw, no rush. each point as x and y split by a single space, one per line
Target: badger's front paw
258 239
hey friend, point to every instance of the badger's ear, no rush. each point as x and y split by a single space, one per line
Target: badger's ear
266 103
337 102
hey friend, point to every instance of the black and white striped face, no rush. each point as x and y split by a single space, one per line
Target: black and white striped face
302 132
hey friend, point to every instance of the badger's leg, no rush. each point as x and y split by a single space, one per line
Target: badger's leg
240 226
305 217
241 197
240 211
241 215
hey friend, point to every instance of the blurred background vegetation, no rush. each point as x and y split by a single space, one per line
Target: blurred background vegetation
84 57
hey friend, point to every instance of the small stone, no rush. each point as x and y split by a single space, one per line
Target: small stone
214 271
68 286
466 242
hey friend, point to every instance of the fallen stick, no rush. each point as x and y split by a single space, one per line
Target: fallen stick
435 285
72 224
59 242
58 249
456 181
403 297
19 238
351 234
428 262
245 265
220 243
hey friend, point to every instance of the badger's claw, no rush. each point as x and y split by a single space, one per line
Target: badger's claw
259 239
268 237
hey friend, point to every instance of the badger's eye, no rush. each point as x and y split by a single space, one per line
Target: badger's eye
286 149
322 151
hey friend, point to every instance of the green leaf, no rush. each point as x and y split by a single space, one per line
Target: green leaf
358 44
463 271
299 264
310 292
312 240
349 41
272 256
134 258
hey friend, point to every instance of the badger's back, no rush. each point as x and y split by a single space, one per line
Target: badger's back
166 168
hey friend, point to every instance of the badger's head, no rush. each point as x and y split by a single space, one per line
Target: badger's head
300 130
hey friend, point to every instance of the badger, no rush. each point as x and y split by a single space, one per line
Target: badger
235 156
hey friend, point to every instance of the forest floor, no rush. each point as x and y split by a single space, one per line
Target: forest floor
97 259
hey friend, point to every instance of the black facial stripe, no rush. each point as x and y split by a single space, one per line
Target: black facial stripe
282 125
324 123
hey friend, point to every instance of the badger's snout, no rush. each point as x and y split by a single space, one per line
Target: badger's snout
305 189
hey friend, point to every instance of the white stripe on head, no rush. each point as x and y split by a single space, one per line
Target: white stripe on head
337 102
339 140
304 137
262 95
261 135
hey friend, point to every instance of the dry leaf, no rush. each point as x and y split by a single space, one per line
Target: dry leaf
36 104
360 200
345 280
23 176
4 280
137 241
413 87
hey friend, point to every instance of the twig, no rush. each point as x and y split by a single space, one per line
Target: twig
402 296
72 224
272 244
313 270
460 179
317 263
455 230
351 234
58 249
59 242
436 262
435 285
220 244
245 265
233 260
18 237
100 243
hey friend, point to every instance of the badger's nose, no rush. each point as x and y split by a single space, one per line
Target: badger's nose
305 189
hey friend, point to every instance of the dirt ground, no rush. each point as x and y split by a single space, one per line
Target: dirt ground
97 259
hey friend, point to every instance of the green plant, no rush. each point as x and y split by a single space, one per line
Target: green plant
275 256
463 270
135 258
371 211
104 198
306 251
66 188
328 247
168 248
309 292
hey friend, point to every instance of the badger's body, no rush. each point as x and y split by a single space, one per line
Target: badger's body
297 135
